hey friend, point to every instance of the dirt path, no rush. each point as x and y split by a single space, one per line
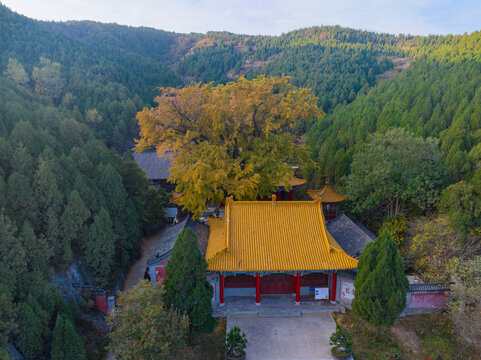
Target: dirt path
136 271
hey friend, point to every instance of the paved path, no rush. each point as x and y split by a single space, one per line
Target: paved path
136 271
304 337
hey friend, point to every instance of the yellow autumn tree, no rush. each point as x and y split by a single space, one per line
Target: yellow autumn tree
435 243
235 139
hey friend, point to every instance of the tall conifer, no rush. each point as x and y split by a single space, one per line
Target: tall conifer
66 342
29 340
187 289
380 283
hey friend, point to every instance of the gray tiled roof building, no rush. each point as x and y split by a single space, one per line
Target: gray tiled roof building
352 237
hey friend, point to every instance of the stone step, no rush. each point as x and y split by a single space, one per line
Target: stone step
279 313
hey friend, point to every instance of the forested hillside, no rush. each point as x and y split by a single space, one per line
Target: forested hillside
64 197
438 96
336 63
113 85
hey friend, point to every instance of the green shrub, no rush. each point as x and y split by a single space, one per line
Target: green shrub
438 347
342 341
235 342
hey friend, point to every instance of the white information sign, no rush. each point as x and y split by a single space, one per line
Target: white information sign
321 293
347 290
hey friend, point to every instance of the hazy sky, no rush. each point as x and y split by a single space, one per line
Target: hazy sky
265 17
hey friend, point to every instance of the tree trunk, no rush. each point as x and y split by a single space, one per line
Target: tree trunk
191 336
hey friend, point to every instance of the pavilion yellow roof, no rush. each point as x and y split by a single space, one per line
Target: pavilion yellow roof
263 236
326 194
293 181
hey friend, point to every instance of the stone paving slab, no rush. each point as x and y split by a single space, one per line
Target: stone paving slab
304 337
277 303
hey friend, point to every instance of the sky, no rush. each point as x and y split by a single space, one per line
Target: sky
265 17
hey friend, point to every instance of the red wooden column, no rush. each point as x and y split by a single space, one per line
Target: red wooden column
333 287
298 288
258 289
221 289
278 195
291 195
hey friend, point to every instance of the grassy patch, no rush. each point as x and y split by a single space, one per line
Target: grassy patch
436 334
414 337
206 346
369 343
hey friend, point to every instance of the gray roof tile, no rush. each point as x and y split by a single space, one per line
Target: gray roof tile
155 167
352 237
166 243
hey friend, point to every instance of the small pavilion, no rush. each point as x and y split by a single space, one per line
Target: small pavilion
330 200
281 189
274 247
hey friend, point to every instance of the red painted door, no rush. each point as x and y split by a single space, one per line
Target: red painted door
160 274
276 284
315 279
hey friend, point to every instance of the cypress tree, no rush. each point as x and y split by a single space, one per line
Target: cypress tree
29 340
380 283
20 201
3 191
7 309
186 288
66 342
73 220
12 252
99 247
57 352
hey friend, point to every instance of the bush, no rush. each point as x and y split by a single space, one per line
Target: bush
235 342
86 301
438 347
342 341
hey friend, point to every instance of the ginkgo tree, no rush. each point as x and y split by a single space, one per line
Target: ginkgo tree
234 140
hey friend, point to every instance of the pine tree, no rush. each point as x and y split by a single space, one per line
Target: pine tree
29 340
22 161
7 310
66 341
3 192
57 352
49 199
187 289
380 283
12 253
110 184
99 247
73 220
21 204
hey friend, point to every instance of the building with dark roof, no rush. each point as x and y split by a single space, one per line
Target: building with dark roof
163 250
156 168
352 237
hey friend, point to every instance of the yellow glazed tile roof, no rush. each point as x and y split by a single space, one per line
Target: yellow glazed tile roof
273 236
217 239
326 194
293 181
